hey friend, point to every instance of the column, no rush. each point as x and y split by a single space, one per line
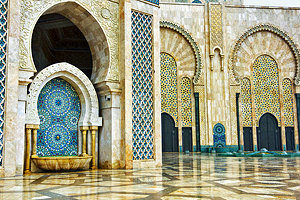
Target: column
93 132
197 121
83 130
298 120
238 120
34 140
27 151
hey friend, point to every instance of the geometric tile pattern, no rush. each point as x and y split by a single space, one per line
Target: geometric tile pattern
3 57
288 111
246 103
142 86
186 102
219 135
266 87
168 80
182 176
154 1
59 112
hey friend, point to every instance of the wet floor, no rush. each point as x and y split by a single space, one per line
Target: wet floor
182 176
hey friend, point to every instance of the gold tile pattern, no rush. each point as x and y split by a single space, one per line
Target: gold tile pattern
246 103
288 111
186 102
169 94
266 87
182 176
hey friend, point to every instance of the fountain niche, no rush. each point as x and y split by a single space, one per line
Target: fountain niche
62 110
57 137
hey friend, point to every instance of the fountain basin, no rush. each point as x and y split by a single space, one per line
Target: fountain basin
68 163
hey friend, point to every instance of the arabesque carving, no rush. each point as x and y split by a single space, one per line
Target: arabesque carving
259 28
192 42
108 69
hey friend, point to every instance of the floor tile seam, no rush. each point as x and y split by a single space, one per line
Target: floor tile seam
161 193
108 186
55 195
226 187
110 192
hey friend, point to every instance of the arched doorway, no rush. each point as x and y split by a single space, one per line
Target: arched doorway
59 112
268 133
169 134
56 39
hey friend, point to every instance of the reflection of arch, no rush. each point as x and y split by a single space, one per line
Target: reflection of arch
260 28
83 86
92 31
192 43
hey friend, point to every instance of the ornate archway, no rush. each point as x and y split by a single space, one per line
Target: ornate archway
85 15
186 38
265 35
83 86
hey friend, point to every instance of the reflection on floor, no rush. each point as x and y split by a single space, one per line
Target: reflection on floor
182 176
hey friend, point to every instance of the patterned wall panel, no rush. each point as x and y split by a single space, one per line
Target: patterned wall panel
169 94
266 87
59 112
186 102
154 1
216 24
288 111
202 114
3 46
219 135
142 86
246 103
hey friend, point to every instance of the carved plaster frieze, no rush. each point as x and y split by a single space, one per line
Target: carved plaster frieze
82 85
192 42
259 28
105 12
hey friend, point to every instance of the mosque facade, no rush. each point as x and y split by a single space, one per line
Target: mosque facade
114 84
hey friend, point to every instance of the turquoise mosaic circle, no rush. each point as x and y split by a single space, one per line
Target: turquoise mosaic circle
59 112
219 135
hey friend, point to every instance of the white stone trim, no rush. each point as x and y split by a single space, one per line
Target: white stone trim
83 86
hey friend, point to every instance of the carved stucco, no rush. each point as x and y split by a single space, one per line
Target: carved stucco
192 42
104 12
252 43
216 27
81 83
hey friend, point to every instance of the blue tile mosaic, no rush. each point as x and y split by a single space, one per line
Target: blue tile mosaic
219 135
153 1
3 46
59 112
142 86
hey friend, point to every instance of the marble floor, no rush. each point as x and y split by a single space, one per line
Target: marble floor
192 176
